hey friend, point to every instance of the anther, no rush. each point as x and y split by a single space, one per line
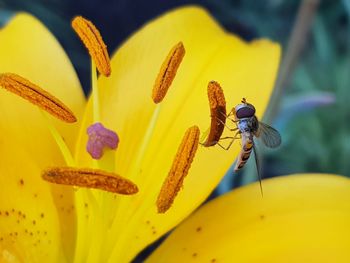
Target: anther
167 72
90 178
93 41
217 105
36 95
100 138
179 169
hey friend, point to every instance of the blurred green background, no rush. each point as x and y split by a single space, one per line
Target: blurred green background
312 107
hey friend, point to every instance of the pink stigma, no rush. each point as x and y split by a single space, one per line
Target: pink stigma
99 138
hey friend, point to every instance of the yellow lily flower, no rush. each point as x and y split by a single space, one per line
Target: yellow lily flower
50 223
302 218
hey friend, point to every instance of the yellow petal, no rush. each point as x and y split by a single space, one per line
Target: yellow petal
302 218
150 135
29 223
29 49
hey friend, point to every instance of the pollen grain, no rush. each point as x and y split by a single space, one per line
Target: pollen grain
36 95
167 72
217 105
93 41
179 169
90 178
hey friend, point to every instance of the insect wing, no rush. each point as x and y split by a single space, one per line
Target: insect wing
269 136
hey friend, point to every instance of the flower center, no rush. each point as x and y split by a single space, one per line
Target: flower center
101 216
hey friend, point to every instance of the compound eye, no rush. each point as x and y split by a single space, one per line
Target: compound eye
245 112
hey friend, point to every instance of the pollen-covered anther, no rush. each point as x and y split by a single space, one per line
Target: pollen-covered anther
36 95
90 178
167 72
217 105
93 41
100 138
179 169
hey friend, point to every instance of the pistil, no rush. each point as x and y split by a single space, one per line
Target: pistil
100 138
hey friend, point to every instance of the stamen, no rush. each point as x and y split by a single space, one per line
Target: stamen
90 178
93 41
179 169
36 95
99 138
217 105
167 72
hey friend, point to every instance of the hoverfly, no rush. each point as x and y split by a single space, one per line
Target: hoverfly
248 127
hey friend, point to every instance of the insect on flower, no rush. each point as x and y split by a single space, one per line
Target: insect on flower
248 127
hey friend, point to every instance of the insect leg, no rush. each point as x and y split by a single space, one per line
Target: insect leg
228 115
234 121
231 129
232 112
237 136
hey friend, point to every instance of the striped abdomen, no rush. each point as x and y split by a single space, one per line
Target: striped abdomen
247 147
